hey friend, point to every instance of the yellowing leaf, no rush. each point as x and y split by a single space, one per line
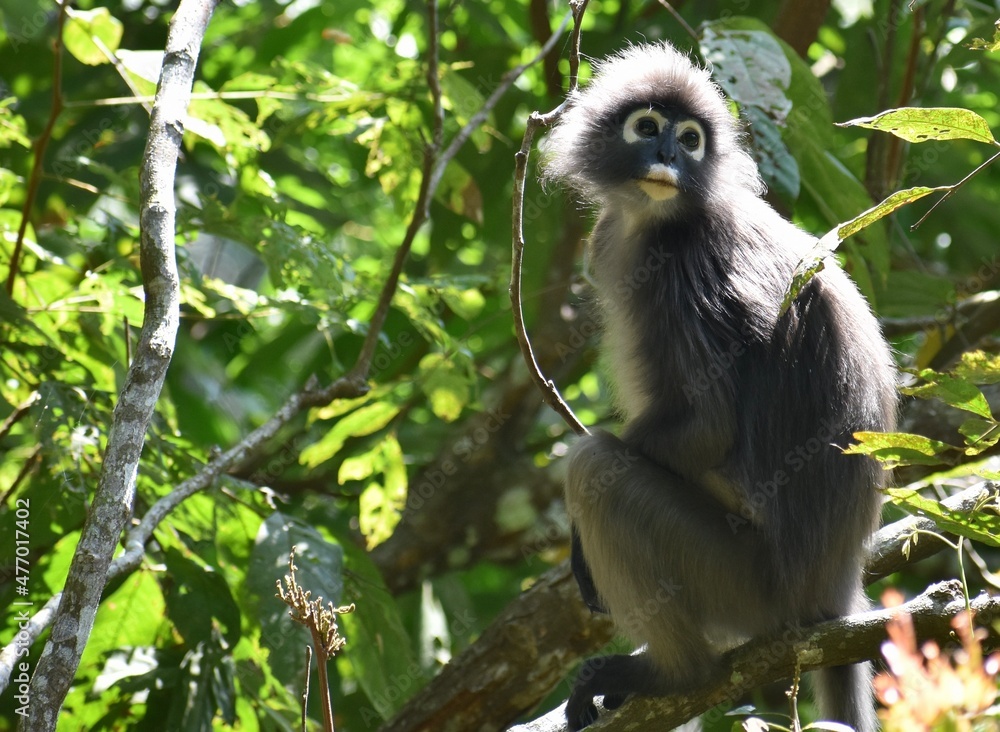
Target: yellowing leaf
364 421
886 207
446 387
381 506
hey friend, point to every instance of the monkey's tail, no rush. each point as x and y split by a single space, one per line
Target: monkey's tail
845 695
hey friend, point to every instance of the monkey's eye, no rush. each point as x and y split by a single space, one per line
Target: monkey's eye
643 124
647 127
690 139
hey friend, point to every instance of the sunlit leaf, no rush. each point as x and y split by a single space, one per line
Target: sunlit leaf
916 124
446 386
889 205
363 421
381 505
952 390
92 36
900 448
13 128
979 524
979 367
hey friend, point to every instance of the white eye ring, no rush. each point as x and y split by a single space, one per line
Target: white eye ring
639 118
685 128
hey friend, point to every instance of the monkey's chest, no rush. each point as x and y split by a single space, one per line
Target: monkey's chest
673 363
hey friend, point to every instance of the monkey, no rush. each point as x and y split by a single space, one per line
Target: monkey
727 508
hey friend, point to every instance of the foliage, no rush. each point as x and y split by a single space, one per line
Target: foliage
303 156
926 690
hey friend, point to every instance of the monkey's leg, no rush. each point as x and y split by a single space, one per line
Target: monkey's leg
667 565
581 570
659 548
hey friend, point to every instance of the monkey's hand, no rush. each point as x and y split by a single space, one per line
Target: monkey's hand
581 570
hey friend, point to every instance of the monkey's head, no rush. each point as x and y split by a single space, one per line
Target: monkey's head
652 132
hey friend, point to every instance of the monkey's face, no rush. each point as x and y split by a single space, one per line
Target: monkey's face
667 150
652 158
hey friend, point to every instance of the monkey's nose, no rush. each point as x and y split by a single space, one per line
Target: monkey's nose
666 153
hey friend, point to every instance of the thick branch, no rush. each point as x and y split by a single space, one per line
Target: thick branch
514 664
885 554
774 658
112 504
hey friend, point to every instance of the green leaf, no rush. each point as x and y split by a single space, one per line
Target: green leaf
916 124
980 44
91 35
464 100
979 367
446 386
13 127
364 421
899 448
228 128
777 167
466 304
979 434
750 66
381 507
976 524
883 209
460 193
811 265
952 390
378 646
361 466
199 600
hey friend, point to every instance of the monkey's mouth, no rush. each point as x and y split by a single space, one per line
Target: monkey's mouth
659 183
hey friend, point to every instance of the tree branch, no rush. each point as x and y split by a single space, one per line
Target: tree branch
538 638
777 657
112 505
40 146
352 384
885 554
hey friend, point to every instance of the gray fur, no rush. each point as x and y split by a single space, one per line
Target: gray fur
726 509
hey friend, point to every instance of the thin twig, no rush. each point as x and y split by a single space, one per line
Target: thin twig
479 117
305 689
550 393
39 148
680 21
954 188
421 209
113 59
324 683
578 8
895 153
